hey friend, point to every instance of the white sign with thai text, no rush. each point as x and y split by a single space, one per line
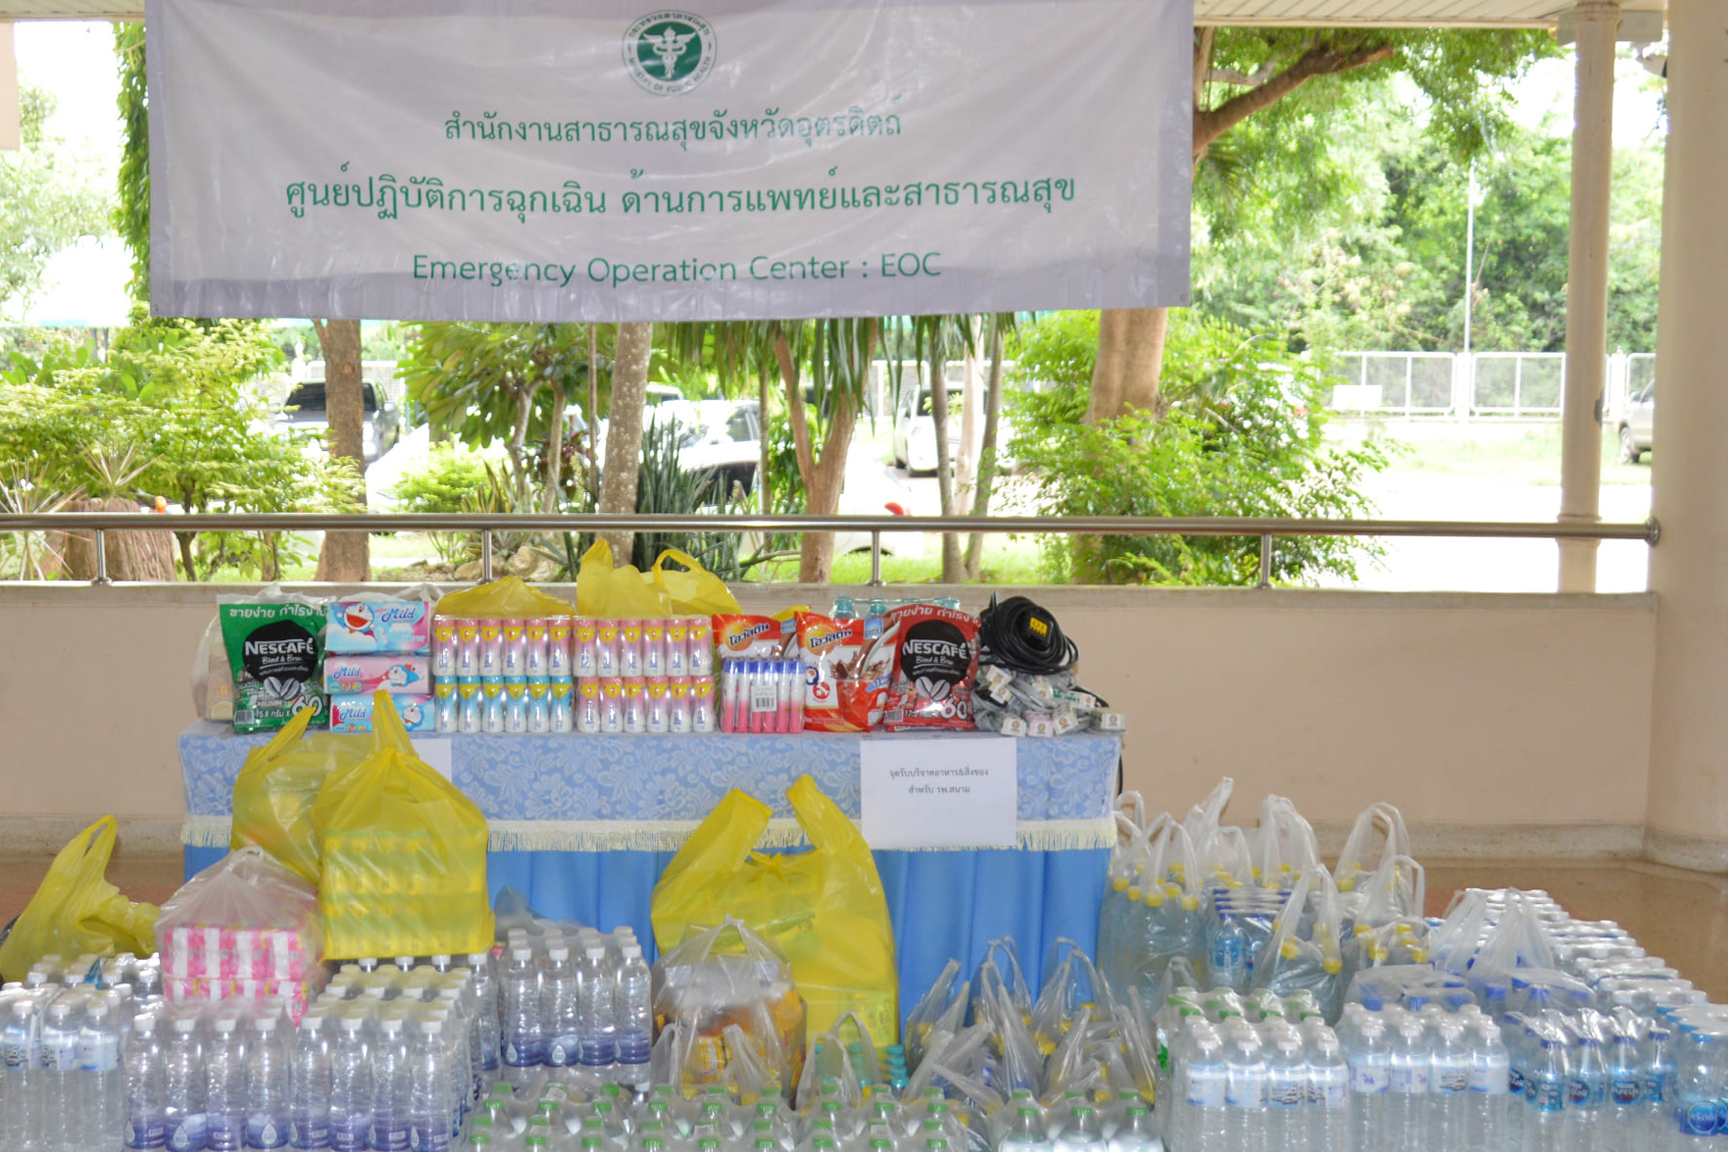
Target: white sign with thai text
940 792
538 160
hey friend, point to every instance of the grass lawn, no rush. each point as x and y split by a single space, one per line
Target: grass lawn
1530 458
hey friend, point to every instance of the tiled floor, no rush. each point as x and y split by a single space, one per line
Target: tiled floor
1682 916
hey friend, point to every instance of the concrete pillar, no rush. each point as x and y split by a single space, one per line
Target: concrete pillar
1596 23
9 133
1688 801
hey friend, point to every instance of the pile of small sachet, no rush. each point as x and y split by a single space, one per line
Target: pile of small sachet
1257 909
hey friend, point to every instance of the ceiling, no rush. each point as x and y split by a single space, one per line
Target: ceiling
1298 13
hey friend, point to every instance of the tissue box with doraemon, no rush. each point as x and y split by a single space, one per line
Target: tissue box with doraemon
362 627
353 713
396 674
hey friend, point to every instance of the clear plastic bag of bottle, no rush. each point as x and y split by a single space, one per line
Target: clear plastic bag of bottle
1379 832
1284 844
1305 948
1071 981
943 1006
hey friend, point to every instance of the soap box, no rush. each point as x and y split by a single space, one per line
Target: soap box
379 626
395 674
353 713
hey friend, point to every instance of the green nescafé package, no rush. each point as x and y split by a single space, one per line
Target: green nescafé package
273 651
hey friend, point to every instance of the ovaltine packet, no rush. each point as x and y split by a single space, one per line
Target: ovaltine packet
411 674
379 626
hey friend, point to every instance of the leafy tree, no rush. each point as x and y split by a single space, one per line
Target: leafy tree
1243 72
132 206
1239 433
45 204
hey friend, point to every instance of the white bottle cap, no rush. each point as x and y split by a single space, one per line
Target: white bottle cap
98 1010
558 953
390 1025
430 1027
630 951
225 1024
522 954
352 1023
185 1024
596 952
264 1024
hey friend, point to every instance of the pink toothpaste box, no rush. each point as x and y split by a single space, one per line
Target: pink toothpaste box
360 627
354 713
411 675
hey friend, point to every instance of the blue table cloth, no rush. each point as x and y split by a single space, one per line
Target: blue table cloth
585 826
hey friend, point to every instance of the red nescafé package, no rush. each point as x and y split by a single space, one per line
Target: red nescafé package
935 668
846 671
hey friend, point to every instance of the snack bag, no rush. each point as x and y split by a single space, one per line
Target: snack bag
273 651
934 670
846 671
740 637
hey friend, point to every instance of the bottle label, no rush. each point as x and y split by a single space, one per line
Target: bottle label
1285 1088
1409 1080
1625 1093
522 1053
1205 1087
1584 1093
391 1136
1658 1088
561 1051
309 1133
224 1132
264 1131
349 1133
60 1053
1368 1078
146 1132
16 1052
1516 1082
1329 1088
1244 1090
1491 1081
1450 1080
186 1133
98 1052
428 1137
1703 1118
1548 1096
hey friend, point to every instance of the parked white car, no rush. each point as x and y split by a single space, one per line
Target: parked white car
915 428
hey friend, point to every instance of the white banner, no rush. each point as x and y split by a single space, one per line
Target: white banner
542 160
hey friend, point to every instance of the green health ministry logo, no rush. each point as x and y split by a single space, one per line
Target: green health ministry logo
670 52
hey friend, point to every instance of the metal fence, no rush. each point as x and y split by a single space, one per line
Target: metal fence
1267 529
1517 385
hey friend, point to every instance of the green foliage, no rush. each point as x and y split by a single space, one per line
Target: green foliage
448 476
1242 436
132 212
45 202
170 413
495 383
663 487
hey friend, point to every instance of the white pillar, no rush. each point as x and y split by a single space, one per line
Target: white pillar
9 133
1596 23
1688 798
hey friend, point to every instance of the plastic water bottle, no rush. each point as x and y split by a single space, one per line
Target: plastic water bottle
558 1008
1407 1095
1136 1133
1697 1112
1485 1119
1659 1071
429 1101
633 1006
146 1090
350 1087
1624 1112
458 1061
1286 1091
1026 1133
267 1086
183 1087
392 1087
1227 957
20 1078
61 1097
1328 1094
1545 1094
1080 1134
1370 1084
99 1068
595 1022
523 1026
225 1087
1586 1094
1448 1085
309 1085
1245 1087
488 1003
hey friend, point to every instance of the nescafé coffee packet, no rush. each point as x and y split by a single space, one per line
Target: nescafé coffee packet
935 668
274 653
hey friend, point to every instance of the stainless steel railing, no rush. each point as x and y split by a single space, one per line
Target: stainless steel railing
1266 528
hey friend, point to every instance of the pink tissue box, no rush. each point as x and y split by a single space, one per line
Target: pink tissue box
396 674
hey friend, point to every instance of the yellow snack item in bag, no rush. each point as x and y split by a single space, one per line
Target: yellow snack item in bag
608 592
76 910
278 785
404 855
506 599
695 592
825 908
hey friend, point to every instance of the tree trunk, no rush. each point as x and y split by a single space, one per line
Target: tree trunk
346 557
145 556
953 572
966 466
1130 362
555 450
823 488
630 354
593 418
987 453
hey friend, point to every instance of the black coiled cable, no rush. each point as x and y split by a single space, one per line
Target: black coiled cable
1020 636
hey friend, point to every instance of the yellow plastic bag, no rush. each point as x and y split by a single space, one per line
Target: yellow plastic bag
278 784
404 855
76 910
824 908
616 593
696 592
506 599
